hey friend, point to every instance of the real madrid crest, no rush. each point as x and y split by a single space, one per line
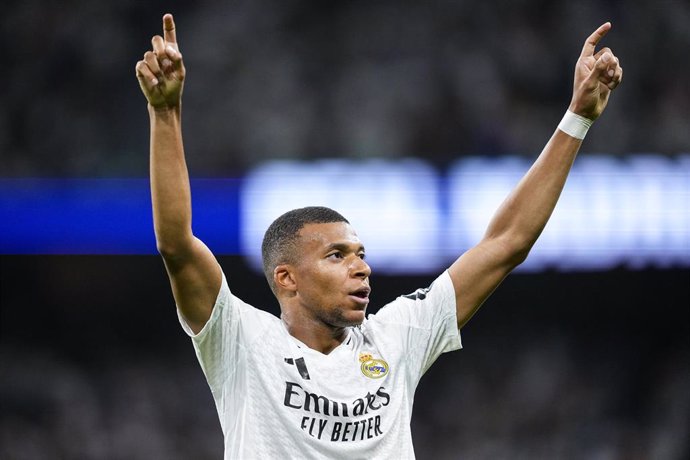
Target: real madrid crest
372 367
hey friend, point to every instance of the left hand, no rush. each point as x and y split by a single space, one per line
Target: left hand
596 75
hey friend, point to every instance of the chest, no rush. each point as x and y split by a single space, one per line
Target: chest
354 379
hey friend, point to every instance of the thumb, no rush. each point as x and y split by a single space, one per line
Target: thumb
600 70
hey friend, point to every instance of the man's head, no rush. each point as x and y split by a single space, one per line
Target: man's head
314 263
280 240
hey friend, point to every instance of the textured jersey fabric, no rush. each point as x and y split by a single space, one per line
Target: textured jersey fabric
277 398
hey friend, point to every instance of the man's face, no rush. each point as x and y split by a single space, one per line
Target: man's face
331 276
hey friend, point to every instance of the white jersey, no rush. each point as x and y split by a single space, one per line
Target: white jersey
278 399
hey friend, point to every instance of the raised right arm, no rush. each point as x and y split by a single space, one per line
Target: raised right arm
195 275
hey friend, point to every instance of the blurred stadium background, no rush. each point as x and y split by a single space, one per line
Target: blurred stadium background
584 354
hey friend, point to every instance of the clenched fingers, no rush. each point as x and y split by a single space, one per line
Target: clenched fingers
152 63
605 49
159 50
175 58
616 79
147 80
608 70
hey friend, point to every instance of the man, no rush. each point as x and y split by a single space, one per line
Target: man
323 380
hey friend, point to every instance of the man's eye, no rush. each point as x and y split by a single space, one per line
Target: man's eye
335 255
362 256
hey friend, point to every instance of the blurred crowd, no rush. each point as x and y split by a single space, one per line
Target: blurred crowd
269 79
479 405
95 366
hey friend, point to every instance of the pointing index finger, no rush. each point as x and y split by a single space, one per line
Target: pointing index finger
169 29
592 40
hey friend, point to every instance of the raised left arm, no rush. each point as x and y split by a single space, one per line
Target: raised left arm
519 221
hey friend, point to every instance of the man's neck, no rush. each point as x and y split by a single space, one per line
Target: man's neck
317 336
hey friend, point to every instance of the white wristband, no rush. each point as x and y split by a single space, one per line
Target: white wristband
575 125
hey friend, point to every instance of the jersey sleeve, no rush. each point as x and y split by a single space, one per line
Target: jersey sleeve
425 322
220 345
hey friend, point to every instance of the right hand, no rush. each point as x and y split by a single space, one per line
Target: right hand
596 75
161 73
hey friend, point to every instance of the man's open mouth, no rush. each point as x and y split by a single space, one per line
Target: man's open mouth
361 293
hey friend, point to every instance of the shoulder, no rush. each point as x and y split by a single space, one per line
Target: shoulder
234 317
436 299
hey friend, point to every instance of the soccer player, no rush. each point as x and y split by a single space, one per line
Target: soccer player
324 380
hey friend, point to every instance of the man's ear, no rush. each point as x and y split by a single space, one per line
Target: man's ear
284 278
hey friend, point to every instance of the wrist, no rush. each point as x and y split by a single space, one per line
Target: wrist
584 111
575 125
164 110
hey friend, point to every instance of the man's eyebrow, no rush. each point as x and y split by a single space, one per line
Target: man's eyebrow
345 247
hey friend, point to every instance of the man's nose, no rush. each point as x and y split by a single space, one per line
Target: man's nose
360 268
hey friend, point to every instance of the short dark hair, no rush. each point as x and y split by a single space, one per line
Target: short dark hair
279 244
